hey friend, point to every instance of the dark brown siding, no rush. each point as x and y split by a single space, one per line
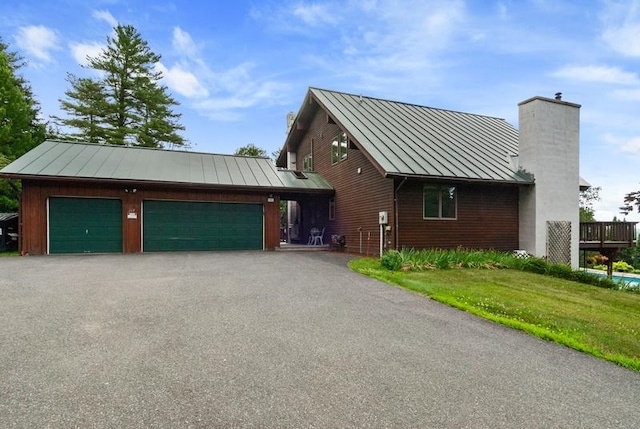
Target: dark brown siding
487 218
359 195
33 210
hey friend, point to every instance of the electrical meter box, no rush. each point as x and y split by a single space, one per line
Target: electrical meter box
383 218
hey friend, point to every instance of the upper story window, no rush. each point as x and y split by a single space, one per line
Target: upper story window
439 202
307 163
339 148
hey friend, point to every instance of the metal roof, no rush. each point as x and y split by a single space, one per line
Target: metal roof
8 216
410 140
84 161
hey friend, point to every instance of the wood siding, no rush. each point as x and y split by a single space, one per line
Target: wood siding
487 218
359 196
33 209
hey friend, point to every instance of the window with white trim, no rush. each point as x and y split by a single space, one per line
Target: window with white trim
439 202
339 148
307 163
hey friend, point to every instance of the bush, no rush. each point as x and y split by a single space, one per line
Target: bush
428 259
391 260
622 266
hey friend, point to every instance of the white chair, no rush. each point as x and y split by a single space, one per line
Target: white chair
318 238
312 236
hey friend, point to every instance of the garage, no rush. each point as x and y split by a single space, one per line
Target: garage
189 225
85 225
94 198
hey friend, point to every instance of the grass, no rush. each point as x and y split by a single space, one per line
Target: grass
601 321
14 253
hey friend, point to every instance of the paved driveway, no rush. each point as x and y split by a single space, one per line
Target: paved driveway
274 340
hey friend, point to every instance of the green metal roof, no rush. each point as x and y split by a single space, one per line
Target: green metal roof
84 161
409 140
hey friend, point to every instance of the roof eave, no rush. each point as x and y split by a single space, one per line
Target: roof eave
190 185
459 179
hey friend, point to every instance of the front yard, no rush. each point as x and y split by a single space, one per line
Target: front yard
602 322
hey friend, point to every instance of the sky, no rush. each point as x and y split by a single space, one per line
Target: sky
237 67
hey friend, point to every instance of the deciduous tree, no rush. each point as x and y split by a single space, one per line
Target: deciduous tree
20 128
587 198
251 150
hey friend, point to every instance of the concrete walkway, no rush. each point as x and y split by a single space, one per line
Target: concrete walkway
274 340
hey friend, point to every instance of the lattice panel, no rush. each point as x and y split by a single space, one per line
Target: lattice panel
559 242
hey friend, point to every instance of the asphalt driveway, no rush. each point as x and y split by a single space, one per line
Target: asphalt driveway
274 340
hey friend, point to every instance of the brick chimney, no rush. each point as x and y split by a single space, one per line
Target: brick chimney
549 146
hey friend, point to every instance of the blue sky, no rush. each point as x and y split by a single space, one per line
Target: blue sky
237 67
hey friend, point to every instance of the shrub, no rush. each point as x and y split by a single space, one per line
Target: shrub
428 259
622 266
391 260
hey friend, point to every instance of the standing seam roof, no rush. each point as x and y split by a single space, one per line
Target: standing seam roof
84 161
408 139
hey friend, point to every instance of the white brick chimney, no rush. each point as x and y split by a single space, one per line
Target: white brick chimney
549 143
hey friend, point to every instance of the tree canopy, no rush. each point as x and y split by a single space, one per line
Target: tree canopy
587 198
251 150
631 200
127 105
20 128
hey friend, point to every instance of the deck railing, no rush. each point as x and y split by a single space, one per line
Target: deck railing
608 233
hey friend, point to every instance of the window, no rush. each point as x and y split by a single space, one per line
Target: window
439 202
332 209
307 163
339 148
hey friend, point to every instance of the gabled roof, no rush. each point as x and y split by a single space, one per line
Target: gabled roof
415 141
84 161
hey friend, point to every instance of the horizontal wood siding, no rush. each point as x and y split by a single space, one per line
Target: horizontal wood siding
359 196
33 215
487 218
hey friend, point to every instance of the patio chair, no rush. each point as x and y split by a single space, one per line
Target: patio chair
318 238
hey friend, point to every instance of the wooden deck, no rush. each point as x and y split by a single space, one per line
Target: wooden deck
607 235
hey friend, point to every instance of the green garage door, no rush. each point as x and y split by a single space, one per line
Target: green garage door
181 225
85 225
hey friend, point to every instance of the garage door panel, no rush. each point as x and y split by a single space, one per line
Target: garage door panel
85 225
182 225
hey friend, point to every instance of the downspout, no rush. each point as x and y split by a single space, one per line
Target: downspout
395 212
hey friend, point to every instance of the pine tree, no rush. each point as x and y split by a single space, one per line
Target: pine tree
131 106
86 103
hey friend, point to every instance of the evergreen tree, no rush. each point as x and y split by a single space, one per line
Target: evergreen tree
131 106
20 129
86 103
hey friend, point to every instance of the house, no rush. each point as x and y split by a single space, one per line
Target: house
438 178
377 174
82 198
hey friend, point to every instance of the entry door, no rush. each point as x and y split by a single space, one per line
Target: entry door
85 225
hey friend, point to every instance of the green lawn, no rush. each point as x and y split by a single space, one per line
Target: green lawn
598 321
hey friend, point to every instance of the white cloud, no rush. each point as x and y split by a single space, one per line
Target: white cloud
221 95
38 41
81 51
105 15
182 81
622 27
627 94
183 43
631 145
315 15
601 74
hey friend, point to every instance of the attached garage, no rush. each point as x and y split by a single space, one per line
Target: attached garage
85 225
89 198
188 225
